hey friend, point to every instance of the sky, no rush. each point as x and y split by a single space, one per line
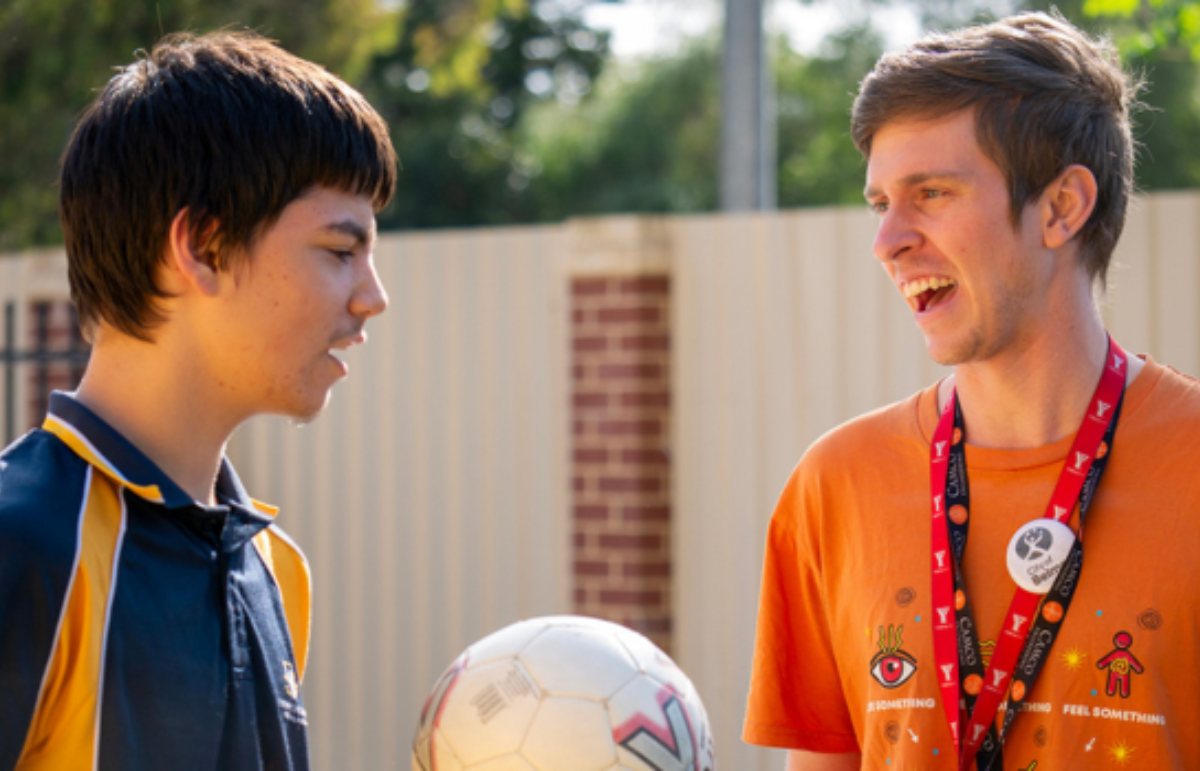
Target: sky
657 27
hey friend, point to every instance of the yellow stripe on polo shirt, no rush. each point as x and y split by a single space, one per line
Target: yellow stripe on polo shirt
288 567
64 732
83 448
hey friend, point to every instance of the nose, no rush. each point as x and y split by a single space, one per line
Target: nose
370 298
897 234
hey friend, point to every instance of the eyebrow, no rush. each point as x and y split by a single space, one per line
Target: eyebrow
920 178
350 228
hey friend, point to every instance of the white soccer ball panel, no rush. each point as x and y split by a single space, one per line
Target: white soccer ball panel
579 661
570 734
490 711
506 643
506 763
441 756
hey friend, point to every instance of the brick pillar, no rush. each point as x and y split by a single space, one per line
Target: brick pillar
52 328
621 430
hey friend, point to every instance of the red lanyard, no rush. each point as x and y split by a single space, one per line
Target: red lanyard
967 686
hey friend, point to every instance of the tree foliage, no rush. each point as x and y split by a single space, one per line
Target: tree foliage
55 55
455 90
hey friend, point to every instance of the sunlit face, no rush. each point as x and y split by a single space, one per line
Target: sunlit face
302 296
975 284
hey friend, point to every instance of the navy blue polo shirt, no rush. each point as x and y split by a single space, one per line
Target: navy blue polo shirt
138 628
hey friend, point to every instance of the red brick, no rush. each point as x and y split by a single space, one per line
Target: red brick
591 455
647 570
589 400
578 317
646 285
580 484
646 343
592 512
646 513
578 427
624 597
645 457
589 286
629 485
651 625
625 315
630 371
630 427
586 568
580 596
588 344
657 399
580 540
578 372
633 542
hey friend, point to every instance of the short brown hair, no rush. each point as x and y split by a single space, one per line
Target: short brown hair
228 126
1045 96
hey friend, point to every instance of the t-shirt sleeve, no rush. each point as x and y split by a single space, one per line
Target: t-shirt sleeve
796 699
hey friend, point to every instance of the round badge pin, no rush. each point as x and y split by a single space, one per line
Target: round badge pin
1037 552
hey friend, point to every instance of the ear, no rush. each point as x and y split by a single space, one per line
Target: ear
189 258
1067 203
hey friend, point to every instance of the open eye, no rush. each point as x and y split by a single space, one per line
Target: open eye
894 669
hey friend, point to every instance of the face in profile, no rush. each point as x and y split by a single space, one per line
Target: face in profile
299 298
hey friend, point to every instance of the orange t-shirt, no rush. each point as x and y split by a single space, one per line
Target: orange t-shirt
844 657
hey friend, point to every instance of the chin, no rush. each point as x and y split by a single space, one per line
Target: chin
951 353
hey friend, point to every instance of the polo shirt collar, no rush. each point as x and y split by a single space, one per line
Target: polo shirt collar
102 446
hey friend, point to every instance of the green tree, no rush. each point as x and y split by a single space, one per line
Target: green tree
648 141
456 89
56 54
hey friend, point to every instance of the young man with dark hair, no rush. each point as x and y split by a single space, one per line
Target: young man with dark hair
217 203
925 601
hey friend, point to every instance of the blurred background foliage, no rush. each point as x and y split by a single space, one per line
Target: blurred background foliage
515 111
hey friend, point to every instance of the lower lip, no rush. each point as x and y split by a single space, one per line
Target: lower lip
342 366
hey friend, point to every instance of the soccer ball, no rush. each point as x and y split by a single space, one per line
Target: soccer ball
563 693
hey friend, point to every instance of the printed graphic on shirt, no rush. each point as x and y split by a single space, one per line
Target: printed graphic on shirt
905 596
1121 665
1150 620
986 648
892 666
1072 659
1121 752
291 685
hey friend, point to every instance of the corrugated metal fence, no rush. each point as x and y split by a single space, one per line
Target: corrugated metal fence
432 496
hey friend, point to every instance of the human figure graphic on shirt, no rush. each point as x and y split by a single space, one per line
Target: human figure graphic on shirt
1120 663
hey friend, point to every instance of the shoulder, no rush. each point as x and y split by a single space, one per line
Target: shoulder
860 459
42 485
861 443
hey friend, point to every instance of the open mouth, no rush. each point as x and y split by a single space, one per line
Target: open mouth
926 293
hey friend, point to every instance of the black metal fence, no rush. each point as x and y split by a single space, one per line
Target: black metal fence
52 363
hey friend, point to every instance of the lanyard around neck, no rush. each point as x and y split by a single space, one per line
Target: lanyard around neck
972 696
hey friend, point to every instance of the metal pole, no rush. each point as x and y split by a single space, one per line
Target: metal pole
747 171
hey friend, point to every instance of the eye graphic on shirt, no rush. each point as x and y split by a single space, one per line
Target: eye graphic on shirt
892 666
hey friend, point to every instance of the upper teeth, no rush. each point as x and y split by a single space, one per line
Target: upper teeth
924 284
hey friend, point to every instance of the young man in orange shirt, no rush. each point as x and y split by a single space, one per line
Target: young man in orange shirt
926 603
218 205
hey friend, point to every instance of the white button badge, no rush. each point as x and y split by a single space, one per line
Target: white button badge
1037 552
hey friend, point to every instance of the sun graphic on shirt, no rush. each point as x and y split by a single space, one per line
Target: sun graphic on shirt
1121 752
1072 659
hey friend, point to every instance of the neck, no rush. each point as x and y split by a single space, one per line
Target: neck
1038 394
163 405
